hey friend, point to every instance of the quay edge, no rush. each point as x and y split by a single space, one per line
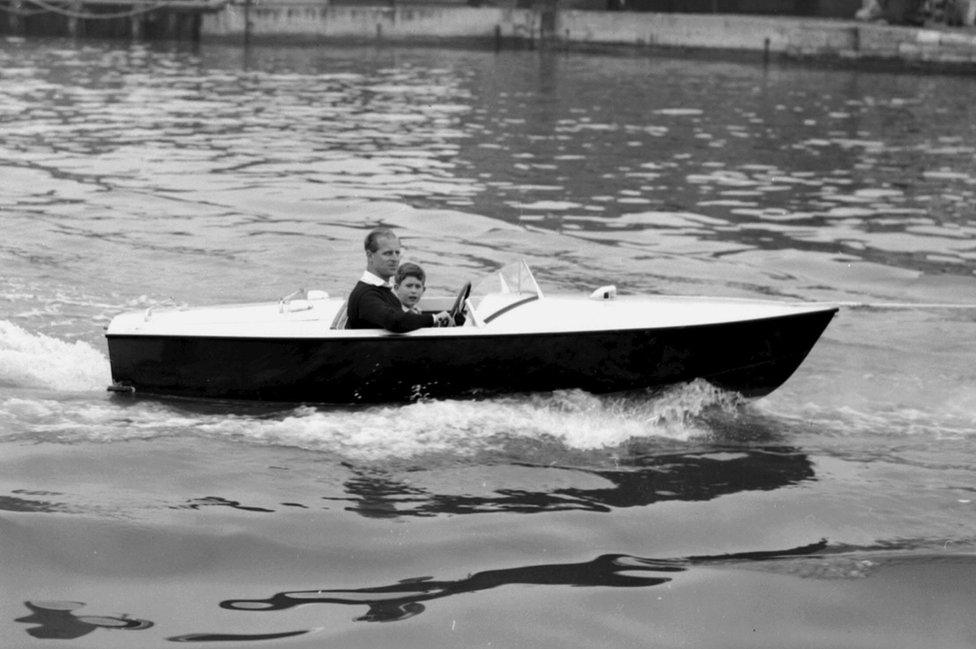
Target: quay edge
543 25
298 21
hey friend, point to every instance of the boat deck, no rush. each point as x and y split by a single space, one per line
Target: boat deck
313 318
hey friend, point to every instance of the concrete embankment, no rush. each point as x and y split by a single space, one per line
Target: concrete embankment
764 36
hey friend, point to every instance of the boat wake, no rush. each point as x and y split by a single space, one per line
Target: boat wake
34 360
55 392
570 420
513 428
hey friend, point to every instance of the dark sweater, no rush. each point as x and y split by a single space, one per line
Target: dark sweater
376 307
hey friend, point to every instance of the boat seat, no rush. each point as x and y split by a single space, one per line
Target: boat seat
339 322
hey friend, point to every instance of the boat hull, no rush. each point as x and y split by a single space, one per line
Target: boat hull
752 357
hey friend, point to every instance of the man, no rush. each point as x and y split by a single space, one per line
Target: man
372 305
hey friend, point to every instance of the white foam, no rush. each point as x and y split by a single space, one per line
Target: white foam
38 361
86 419
574 419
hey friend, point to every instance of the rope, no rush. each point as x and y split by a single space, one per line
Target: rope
97 16
22 12
85 15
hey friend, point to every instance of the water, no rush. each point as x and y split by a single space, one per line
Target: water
837 512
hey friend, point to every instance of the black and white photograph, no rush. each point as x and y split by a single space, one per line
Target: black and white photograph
512 324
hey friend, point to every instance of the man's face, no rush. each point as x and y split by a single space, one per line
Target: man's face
384 262
409 291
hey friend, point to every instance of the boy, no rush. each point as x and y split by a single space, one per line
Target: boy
409 285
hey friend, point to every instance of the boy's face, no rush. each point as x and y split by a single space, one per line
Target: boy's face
409 291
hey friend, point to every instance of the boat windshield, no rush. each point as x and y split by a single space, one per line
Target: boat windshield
504 290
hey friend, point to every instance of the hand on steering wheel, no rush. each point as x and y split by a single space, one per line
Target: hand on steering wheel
459 303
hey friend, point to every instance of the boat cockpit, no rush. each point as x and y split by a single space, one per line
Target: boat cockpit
508 288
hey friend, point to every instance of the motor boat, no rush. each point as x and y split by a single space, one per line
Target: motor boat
513 340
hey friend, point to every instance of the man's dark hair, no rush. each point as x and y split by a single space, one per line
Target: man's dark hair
410 270
374 235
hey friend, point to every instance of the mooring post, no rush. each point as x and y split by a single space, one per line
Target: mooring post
13 17
75 8
547 21
195 27
247 23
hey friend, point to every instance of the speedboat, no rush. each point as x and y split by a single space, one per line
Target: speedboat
514 339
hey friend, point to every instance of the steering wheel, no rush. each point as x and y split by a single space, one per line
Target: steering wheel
458 307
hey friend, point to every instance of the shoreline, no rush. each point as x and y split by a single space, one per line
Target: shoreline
718 35
834 41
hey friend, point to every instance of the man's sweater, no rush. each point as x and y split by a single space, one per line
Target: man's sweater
376 307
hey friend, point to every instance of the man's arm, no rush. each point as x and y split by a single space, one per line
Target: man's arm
380 313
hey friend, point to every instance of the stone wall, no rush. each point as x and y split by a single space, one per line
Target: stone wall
296 20
709 32
305 21
809 8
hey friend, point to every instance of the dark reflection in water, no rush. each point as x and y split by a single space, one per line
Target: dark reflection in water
56 621
217 501
403 599
695 476
19 504
233 637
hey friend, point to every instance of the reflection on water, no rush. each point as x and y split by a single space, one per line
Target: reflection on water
403 599
409 597
701 474
234 637
20 503
644 480
57 621
217 501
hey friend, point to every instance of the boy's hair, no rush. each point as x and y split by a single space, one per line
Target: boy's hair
410 270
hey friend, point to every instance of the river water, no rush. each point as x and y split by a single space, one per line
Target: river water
840 511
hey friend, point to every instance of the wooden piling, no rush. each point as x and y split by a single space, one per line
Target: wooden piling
247 23
73 20
137 27
14 22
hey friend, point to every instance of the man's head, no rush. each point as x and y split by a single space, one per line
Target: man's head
410 284
382 252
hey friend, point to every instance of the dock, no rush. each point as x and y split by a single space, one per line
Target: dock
543 23
179 20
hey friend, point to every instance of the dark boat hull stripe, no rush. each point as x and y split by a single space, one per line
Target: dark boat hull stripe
752 358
